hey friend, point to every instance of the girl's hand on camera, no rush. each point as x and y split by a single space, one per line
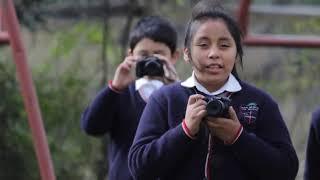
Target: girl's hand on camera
225 129
196 111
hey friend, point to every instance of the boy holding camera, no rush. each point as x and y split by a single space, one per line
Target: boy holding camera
117 108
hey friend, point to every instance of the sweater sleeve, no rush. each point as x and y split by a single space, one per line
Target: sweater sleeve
312 165
98 116
269 153
157 149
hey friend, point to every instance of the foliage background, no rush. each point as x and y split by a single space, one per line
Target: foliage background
73 48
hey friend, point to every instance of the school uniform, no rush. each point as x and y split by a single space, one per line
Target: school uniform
163 150
312 164
117 114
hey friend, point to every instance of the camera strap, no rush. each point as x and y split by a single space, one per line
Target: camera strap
223 94
210 137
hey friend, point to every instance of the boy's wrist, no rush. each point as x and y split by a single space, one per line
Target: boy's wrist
113 87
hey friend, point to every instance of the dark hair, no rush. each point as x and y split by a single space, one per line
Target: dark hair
203 13
155 28
206 5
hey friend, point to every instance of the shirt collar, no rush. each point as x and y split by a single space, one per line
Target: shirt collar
143 81
232 85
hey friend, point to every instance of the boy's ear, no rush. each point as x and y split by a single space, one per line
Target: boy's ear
186 55
129 52
175 57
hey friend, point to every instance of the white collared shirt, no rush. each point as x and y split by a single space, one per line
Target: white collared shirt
147 86
232 85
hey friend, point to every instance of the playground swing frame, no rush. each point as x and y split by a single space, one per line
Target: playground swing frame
297 41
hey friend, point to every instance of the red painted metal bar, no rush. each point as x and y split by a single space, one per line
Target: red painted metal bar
4 36
270 40
243 16
28 92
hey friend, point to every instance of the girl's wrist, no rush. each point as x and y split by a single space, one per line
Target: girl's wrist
187 130
235 137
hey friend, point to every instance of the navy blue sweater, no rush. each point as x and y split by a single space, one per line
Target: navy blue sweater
312 168
118 115
161 149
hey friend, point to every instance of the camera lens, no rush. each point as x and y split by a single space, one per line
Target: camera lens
149 66
153 68
215 108
218 106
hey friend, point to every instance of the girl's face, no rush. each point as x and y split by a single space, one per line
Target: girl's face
212 53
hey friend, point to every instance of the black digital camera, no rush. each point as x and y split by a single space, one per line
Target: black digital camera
218 106
149 66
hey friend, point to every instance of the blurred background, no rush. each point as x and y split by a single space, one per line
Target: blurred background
74 46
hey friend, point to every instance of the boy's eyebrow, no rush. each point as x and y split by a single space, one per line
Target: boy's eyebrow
142 51
158 52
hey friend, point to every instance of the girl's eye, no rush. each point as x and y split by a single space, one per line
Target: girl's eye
203 45
224 45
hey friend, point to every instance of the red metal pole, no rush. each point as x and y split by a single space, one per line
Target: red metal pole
243 16
28 92
4 37
271 40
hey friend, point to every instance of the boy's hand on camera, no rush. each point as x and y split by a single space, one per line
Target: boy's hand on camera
196 111
170 73
124 73
225 129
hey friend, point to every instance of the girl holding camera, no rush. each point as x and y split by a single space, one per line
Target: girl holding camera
176 139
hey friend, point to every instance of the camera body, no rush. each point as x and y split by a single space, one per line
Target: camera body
149 66
218 106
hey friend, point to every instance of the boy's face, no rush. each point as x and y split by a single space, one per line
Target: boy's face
147 47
